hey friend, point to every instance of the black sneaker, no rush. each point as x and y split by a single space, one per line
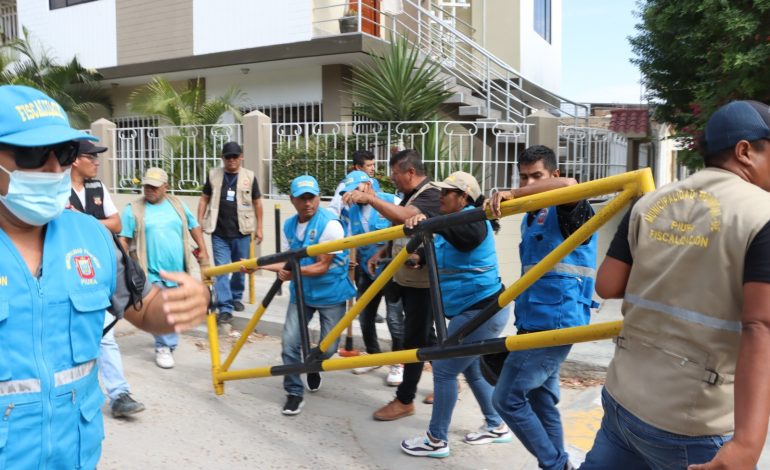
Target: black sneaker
313 381
124 405
224 318
293 405
378 319
238 306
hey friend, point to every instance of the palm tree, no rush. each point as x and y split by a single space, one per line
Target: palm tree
77 89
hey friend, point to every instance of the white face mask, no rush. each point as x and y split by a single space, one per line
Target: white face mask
37 198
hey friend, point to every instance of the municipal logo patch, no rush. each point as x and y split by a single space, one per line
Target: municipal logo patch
541 216
97 201
84 266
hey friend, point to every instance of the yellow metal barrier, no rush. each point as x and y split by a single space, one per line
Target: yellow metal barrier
628 185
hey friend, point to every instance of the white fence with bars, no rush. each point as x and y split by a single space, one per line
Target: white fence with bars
488 150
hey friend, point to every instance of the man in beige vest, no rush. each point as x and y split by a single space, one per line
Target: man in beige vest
230 209
160 226
408 174
690 380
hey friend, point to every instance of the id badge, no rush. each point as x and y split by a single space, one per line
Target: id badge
230 195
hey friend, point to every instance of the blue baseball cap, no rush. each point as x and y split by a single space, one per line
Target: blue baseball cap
353 179
304 184
30 118
736 121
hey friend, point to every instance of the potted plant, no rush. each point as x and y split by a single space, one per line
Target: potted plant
349 21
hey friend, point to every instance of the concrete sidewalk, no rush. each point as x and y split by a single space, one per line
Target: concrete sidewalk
585 360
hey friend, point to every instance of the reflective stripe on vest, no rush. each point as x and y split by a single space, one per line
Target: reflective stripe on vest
64 377
562 268
684 314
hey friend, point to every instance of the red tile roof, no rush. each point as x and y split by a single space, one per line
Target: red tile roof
630 121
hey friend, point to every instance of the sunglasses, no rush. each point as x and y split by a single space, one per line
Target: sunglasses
231 157
446 191
30 158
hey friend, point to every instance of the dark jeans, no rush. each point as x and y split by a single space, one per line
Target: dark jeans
418 333
394 317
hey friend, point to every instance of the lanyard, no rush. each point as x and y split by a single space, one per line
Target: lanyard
229 180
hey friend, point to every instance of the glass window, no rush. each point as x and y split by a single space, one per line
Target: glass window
55 4
543 19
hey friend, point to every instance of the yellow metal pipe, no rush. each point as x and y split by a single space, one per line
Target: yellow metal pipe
244 336
252 294
256 373
367 360
578 237
576 334
211 323
361 303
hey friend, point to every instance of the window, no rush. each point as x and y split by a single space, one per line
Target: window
55 4
543 19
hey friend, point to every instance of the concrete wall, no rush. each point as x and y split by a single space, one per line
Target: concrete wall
267 86
239 24
541 61
86 31
506 241
149 30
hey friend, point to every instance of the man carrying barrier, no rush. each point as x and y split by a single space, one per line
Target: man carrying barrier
527 389
61 271
363 218
420 197
324 281
690 379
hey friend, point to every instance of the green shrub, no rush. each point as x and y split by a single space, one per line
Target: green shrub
316 158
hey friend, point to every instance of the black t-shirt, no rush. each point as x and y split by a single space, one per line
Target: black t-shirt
427 201
227 220
755 269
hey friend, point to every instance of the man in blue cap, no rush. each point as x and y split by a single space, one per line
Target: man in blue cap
690 380
61 271
363 218
325 283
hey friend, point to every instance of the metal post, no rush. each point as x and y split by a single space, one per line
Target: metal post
303 334
277 219
436 301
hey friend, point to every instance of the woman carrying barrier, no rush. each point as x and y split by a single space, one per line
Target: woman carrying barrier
469 279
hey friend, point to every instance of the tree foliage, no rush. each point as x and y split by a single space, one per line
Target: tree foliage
696 55
77 89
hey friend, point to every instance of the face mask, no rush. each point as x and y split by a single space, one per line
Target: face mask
37 198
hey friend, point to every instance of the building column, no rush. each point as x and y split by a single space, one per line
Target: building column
257 152
337 102
105 131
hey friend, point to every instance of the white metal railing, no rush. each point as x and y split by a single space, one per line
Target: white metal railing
470 65
587 153
487 150
185 152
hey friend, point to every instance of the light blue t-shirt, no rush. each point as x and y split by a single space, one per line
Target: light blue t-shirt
163 233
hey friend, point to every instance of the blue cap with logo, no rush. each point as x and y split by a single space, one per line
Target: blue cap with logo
304 184
30 118
736 121
353 179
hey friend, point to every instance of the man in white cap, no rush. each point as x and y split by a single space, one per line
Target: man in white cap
159 226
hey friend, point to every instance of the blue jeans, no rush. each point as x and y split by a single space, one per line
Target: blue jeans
445 373
625 441
526 395
291 343
111 365
169 340
229 288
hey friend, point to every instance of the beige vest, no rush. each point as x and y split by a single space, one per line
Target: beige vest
245 206
138 248
675 358
405 276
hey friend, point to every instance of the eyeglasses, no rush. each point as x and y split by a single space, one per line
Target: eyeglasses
30 158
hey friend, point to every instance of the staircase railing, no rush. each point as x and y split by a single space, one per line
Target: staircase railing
471 65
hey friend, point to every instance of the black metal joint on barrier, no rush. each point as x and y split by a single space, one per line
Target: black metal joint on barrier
315 354
300 298
436 302
434 224
281 257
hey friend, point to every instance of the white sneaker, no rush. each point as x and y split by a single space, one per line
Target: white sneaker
163 358
395 376
489 436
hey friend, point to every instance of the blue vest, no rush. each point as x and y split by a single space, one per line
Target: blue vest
332 288
50 328
466 277
375 222
562 297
